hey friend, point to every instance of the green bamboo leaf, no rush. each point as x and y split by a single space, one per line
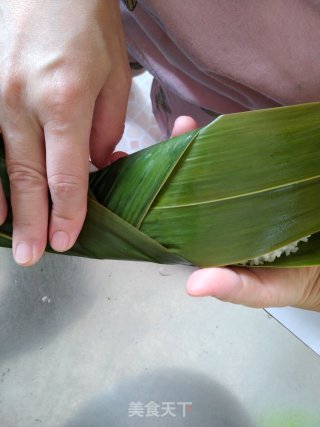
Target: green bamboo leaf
130 185
247 152
235 230
249 186
6 228
241 187
107 236
6 232
5 241
104 234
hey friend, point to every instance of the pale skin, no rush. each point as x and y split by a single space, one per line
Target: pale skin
64 86
63 97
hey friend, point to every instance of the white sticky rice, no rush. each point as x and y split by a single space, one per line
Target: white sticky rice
271 256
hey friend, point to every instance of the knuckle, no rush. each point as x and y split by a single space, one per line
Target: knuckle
58 99
65 93
12 84
66 186
25 221
26 179
76 217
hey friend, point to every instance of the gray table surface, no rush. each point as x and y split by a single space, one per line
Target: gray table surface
87 343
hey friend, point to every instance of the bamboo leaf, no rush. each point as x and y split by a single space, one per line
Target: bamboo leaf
249 186
130 185
243 186
107 236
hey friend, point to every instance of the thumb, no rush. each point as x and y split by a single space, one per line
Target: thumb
259 287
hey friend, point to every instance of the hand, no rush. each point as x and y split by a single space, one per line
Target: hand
64 86
254 287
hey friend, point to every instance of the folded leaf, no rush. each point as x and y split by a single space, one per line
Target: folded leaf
243 186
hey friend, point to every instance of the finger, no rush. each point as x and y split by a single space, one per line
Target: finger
117 155
261 287
3 206
109 117
29 196
182 125
67 153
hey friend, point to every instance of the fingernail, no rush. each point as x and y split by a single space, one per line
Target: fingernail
60 241
23 253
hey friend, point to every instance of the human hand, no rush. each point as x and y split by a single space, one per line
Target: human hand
254 287
64 86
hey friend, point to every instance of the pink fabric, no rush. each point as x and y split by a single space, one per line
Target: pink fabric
227 55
